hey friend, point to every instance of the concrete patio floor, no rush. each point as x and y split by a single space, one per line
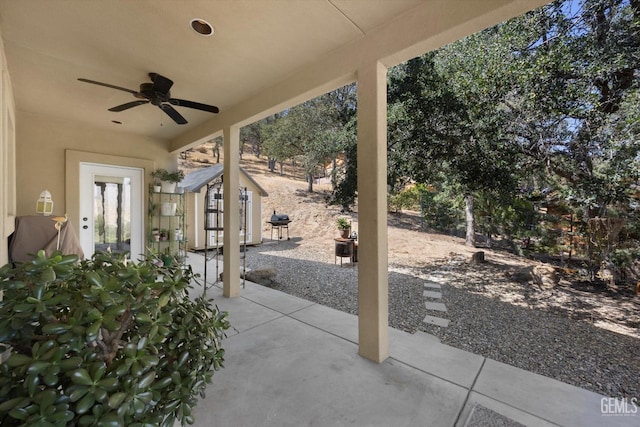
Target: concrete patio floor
292 362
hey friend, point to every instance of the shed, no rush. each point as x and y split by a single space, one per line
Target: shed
195 184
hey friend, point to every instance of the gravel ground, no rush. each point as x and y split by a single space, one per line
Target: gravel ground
547 342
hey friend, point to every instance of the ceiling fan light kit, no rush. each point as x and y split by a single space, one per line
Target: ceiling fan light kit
156 93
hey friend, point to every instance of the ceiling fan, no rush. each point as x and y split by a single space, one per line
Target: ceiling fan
156 93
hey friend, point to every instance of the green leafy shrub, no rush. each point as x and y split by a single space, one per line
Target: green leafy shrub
165 175
408 198
443 211
104 342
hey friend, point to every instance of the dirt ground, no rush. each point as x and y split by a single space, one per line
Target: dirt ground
546 287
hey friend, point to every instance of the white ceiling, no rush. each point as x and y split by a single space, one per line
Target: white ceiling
49 44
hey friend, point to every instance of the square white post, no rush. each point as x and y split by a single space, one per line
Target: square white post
373 299
231 220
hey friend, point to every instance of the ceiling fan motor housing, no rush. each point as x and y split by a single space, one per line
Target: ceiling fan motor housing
147 92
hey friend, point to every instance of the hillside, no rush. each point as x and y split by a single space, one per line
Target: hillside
506 277
313 222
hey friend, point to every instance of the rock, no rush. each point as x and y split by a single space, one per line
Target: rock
523 275
261 276
545 276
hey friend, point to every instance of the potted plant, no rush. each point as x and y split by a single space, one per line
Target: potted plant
167 258
157 175
168 179
104 342
164 235
344 226
168 208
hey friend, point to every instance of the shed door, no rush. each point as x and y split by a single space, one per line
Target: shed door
214 212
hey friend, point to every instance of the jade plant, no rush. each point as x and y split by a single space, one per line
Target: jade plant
104 342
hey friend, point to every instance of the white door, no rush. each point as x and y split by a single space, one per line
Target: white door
111 207
249 208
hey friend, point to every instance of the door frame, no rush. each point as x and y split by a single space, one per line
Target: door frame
87 184
73 158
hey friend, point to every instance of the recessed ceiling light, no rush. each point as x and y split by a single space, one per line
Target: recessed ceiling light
201 27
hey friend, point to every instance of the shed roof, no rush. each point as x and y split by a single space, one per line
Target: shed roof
195 180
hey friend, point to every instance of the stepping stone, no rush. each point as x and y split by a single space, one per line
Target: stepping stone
431 294
432 285
438 321
438 306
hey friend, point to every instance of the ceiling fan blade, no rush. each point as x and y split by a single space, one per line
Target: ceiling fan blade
161 84
127 105
171 112
108 85
196 105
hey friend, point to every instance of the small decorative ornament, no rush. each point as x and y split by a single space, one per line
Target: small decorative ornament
44 205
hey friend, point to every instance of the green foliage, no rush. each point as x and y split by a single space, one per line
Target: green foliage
345 178
408 198
343 223
104 342
311 132
548 99
443 210
625 257
165 175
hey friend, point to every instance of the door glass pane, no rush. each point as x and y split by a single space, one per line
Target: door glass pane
112 213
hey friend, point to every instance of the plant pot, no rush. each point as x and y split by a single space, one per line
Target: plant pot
157 188
167 260
344 233
168 208
168 187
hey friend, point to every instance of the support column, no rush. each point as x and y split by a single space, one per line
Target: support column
231 207
373 298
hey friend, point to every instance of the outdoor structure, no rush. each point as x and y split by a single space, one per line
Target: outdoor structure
195 183
263 57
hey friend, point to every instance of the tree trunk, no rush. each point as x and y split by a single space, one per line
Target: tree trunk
334 165
593 269
310 182
471 226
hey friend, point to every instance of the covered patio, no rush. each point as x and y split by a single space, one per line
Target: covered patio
289 361
292 362
258 59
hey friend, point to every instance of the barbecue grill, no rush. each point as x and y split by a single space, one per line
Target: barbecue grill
279 222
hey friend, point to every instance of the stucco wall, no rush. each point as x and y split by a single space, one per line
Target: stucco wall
40 154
